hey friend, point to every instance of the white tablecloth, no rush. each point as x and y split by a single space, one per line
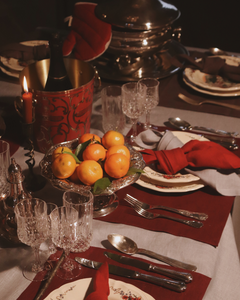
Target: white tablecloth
221 263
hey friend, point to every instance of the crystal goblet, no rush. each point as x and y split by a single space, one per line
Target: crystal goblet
133 101
64 235
4 164
32 230
152 97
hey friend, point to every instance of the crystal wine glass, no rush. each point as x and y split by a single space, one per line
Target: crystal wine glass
133 100
32 230
64 222
51 247
82 201
4 164
152 97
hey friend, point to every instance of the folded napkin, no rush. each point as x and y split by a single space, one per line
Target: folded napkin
100 284
24 53
217 163
210 65
89 36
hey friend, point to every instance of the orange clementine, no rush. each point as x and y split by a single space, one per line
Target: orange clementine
74 177
94 152
58 151
117 165
89 171
112 138
89 136
63 166
118 149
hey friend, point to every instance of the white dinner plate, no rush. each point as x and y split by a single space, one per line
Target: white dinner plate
12 66
214 83
208 92
76 290
178 183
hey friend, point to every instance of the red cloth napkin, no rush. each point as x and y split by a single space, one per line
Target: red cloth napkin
89 36
195 290
100 284
210 65
197 154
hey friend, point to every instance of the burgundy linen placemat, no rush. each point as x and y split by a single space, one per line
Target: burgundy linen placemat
205 200
195 290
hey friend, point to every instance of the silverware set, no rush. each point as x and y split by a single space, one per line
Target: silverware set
142 209
177 283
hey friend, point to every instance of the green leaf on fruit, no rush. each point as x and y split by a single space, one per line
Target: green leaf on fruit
100 185
133 171
80 148
73 155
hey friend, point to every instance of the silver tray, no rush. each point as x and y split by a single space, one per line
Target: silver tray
65 184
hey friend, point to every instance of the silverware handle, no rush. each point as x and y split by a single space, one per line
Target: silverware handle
195 224
206 129
190 214
173 285
167 260
182 276
237 107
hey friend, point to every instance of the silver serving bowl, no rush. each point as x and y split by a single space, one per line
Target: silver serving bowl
65 184
137 14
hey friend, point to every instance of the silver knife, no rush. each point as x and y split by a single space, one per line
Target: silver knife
182 276
177 286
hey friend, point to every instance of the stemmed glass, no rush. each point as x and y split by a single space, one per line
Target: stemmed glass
82 201
51 247
133 101
4 164
152 97
32 230
64 235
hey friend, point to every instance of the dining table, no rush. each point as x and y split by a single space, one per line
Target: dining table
214 249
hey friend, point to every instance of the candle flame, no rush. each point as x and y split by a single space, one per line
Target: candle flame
25 87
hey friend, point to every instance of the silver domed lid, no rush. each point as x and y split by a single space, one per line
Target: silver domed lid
137 14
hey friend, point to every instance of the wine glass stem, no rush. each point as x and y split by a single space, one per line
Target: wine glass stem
134 129
147 122
37 267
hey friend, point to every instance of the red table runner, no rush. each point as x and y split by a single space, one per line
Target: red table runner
195 290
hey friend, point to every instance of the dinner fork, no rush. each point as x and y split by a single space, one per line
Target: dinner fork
195 215
148 215
196 102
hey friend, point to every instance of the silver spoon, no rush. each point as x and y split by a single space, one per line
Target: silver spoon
128 246
184 125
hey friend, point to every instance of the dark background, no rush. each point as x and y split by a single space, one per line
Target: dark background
204 23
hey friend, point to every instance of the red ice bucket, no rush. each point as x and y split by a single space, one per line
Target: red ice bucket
60 116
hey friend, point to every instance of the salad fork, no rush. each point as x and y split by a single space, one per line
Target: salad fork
195 215
148 215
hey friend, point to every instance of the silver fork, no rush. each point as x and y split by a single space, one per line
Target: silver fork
196 102
195 215
146 214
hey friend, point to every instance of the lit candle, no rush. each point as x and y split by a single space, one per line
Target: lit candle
27 103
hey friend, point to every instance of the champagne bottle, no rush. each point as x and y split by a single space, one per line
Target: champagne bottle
58 79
